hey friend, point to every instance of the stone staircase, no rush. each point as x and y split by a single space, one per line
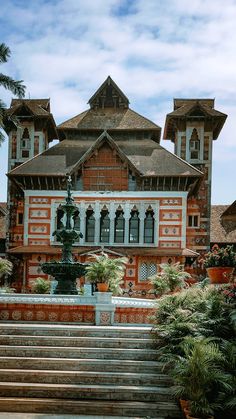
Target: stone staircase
82 370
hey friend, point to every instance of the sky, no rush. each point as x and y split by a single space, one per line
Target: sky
154 50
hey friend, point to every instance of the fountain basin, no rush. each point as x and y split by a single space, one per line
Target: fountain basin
65 273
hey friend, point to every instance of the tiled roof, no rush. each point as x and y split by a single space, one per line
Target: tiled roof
3 220
186 108
40 107
53 250
148 157
109 119
37 108
231 210
221 231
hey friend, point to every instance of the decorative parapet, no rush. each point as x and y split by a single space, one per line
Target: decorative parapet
100 309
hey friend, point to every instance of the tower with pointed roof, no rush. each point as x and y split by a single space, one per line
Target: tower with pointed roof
193 126
30 127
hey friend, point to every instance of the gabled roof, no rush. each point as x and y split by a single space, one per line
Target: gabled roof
221 231
3 208
190 108
102 90
109 110
231 210
144 156
38 109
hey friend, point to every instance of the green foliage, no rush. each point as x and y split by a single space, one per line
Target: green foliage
5 267
41 286
16 87
195 331
198 374
224 256
106 270
171 278
5 289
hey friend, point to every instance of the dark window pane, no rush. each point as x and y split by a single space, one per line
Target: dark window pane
90 226
134 227
149 227
104 227
76 219
119 227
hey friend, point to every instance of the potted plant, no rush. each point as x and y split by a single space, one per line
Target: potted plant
171 278
106 273
220 264
197 374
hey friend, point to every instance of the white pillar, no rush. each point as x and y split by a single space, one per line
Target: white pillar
97 216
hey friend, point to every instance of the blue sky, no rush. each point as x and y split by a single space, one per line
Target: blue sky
154 50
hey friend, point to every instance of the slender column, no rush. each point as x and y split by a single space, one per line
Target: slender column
156 223
127 217
112 214
141 223
97 216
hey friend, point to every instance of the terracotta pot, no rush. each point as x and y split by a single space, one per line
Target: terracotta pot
102 287
183 404
220 275
194 417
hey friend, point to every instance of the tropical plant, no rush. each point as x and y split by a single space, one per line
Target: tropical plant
16 87
41 286
5 289
220 257
198 376
5 267
205 315
104 269
169 279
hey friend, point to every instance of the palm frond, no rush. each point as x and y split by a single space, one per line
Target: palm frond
16 87
4 53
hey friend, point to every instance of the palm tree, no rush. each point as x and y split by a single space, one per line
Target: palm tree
16 87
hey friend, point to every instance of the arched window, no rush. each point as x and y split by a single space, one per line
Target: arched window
25 143
104 226
59 217
76 220
90 226
134 227
119 227
194 145
149 227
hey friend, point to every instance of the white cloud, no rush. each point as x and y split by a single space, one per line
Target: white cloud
64 49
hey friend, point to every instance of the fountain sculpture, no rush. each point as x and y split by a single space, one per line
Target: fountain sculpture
66 270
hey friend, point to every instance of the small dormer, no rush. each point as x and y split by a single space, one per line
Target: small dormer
109 95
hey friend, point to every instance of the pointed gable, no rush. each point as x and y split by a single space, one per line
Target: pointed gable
108 95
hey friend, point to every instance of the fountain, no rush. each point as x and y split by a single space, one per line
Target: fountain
66 270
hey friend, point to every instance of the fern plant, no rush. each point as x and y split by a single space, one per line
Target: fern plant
169 279
41 286
103 269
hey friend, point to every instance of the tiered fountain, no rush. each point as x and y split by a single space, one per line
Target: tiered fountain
66 270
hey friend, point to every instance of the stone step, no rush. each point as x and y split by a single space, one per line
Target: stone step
61 364
71 352
74 330
94 342
160 410
89 391
84 377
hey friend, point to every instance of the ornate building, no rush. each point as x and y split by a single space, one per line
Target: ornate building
134 197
